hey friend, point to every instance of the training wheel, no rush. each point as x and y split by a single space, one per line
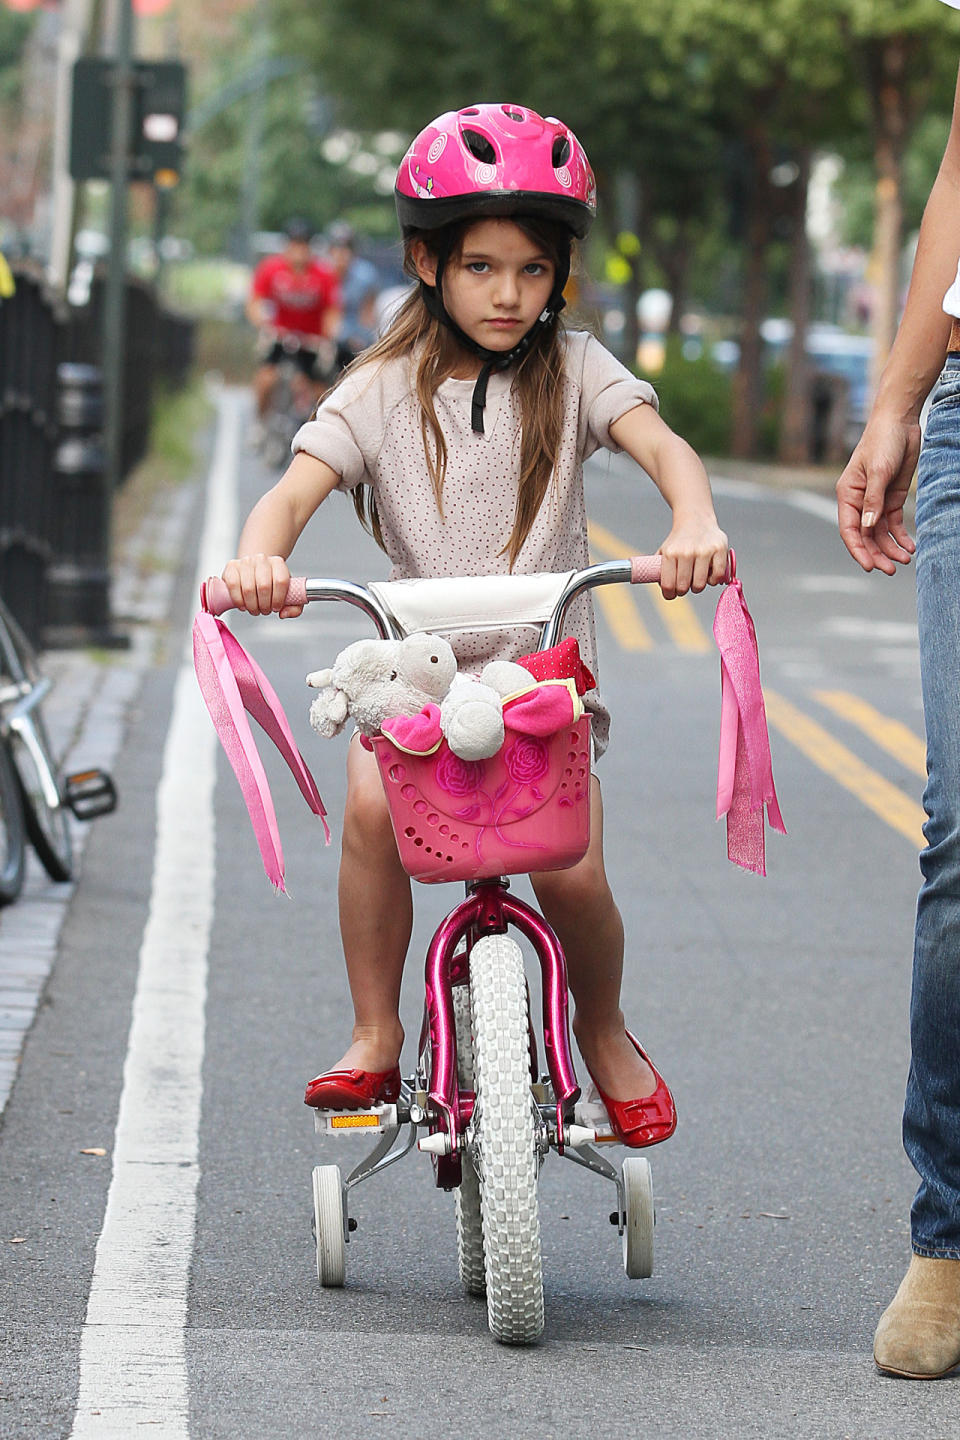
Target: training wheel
328 1225
638 1230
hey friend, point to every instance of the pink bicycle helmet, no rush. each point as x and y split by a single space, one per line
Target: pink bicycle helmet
497 160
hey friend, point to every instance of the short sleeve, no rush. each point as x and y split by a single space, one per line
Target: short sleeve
607 391
347 431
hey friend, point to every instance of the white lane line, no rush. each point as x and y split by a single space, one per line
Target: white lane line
818 505
132 1355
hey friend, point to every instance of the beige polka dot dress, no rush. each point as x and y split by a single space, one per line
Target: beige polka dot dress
368 431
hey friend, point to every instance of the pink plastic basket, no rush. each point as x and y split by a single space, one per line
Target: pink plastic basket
526 808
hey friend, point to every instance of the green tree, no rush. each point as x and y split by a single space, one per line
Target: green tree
908 65
780 83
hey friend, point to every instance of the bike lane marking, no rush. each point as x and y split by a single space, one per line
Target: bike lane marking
132 1352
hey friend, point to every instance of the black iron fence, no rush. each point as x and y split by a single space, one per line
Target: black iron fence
54 505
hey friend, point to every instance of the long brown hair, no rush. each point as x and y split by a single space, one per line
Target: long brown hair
538 384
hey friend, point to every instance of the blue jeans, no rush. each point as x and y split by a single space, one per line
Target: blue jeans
931 1118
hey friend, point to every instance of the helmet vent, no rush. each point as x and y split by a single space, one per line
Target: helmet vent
479 146
561 151
513 114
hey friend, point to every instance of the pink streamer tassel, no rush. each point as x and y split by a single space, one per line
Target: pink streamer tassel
232 683
745 772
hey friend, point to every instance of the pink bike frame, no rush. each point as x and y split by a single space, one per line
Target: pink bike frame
487 910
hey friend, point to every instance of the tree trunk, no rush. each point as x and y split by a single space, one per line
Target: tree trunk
794 448
748 381
675 263
629 219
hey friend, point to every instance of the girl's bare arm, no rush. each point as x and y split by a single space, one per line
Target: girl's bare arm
695 552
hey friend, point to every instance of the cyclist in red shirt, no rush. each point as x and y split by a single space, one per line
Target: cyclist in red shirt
294 303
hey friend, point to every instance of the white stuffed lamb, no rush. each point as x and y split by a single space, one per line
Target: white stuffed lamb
373 680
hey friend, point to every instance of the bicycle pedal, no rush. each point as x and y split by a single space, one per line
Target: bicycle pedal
90 793
592 1115
355 1122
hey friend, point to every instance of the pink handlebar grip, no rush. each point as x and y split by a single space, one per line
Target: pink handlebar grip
644 569
215 597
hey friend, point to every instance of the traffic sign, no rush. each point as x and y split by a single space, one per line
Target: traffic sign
155 132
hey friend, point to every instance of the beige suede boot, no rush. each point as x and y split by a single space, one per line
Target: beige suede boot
919 1332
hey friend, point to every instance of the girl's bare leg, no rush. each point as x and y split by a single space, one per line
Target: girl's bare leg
578 904
376 917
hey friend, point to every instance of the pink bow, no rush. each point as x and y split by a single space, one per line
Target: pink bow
745 773
231 682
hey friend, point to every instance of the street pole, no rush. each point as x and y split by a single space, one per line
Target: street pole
75 27
114 309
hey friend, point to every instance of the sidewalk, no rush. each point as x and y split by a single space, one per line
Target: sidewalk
85 715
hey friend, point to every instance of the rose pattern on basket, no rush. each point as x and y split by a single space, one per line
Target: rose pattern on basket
458 777
527 760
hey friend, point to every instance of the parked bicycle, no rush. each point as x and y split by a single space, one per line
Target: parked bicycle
35 798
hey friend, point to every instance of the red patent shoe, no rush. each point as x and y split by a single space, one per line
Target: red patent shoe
353 1089
646 1120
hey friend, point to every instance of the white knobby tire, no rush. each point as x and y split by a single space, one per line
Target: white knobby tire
505 1138
467 1197
328 1225
638 1229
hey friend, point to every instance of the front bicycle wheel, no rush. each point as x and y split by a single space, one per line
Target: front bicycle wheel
12 833
48 825
467 1195
504 1137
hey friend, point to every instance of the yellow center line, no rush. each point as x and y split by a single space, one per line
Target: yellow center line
834 759
681 621
895 738
623 617
679 617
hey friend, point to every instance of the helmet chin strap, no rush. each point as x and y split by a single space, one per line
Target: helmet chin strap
492 359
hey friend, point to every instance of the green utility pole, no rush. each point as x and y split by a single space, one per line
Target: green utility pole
124 80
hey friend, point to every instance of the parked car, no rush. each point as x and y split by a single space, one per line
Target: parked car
830 349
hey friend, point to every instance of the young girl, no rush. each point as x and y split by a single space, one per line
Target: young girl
461 435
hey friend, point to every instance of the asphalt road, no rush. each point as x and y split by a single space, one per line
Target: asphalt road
776 1007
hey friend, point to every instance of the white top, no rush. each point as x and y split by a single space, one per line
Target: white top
368 431
951 301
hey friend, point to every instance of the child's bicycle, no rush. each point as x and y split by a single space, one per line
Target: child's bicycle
478 1102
